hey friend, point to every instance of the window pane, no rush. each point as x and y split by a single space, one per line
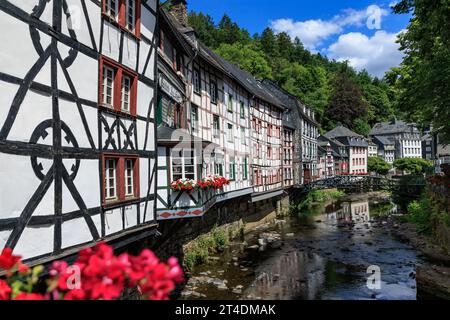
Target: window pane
126 88
108 86
110 178
130 15
129 170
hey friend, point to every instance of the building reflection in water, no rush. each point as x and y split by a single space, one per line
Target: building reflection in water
295 275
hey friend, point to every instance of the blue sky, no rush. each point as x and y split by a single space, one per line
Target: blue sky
363 32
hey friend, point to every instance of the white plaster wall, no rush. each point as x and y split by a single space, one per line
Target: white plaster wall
88 184
69 114
113 219
83 235
145 96
83 73
80 24
35 242
111 41
18 184
34 109
20 48
129 55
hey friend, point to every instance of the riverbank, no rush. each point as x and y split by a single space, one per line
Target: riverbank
320 256
433 276
426 227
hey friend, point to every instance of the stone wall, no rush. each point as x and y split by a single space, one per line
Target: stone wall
232 215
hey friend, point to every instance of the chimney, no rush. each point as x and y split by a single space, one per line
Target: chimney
178 9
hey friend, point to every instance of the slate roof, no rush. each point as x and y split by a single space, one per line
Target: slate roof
393 127
289 100
340 132
249 82
384 140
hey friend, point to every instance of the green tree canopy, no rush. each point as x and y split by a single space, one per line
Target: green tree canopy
412 165
378 165
246 57
424 81
347 103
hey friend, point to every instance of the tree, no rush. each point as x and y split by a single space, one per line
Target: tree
412 165
269 43
205 28
346 102
378 165
229 32
246 57
361 127
424 82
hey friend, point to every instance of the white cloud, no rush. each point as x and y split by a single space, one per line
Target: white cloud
313 32
376 54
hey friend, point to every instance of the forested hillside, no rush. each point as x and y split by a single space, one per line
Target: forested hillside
333 89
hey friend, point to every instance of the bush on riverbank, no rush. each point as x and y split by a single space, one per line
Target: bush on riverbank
316 197
428 215
200 249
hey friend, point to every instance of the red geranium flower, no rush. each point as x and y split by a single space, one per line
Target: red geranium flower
29 296
5 290
8 260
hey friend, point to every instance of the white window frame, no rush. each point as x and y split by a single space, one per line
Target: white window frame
126 94
109 5
109 178
129 178
230 133
183 164
105 85
131 8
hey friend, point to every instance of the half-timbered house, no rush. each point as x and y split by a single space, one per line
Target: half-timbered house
77 134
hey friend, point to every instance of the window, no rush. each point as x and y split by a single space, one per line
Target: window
242 110
126 88
243 138
230 133
118 87
124 13
129 186
216 126
230 103
183 164
218 168
197 81
232 169
112 8
108 86
111 179
213 91
194 119
130 15
121 178
269 152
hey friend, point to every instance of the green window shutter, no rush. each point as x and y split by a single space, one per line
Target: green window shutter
159 112
245 169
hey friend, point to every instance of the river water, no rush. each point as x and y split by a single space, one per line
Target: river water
324 253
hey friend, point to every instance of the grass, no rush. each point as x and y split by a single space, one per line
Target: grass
200 249
315 197
426 214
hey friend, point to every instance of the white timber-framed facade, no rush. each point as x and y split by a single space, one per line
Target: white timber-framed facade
77 131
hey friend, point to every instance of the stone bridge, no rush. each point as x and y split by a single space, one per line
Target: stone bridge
350 183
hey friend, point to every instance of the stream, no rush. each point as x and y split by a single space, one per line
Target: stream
324 253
